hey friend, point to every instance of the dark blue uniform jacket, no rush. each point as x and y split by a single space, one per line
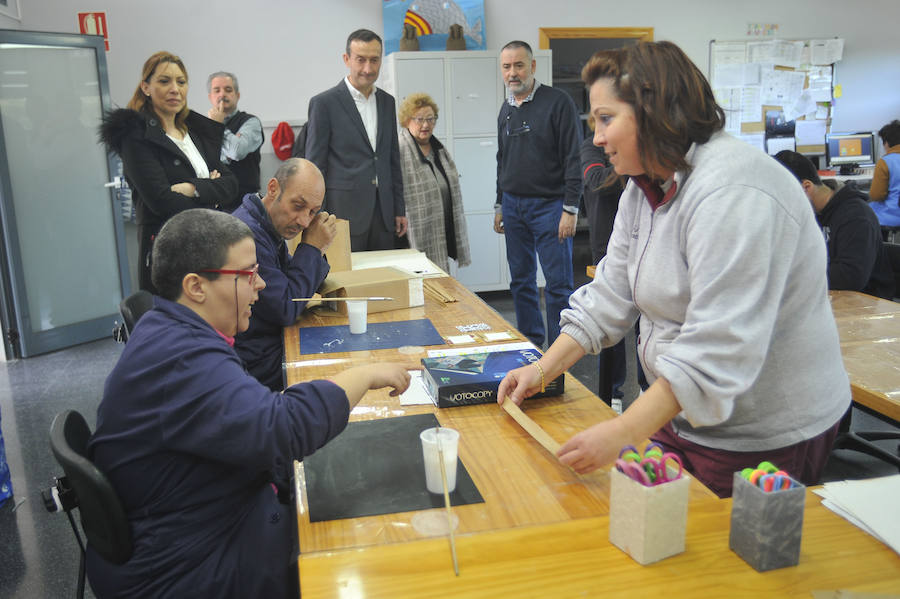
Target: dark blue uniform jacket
190 442
261 346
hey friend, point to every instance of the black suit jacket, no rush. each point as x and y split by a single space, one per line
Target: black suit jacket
338 144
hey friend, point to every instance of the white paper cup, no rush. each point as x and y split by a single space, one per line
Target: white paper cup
357 311
449 439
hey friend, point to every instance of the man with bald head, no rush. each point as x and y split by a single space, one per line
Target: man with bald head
291 205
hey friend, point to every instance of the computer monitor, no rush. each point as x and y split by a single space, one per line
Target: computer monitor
850 150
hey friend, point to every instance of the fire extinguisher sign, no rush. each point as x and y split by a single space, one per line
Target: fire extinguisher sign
94 23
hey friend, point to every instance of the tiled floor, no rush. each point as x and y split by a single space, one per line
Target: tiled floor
38 554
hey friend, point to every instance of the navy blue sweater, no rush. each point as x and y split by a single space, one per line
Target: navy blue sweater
190 442
538 148
261 347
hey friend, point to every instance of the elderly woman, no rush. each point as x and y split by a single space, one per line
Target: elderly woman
434 207
715 249
170 154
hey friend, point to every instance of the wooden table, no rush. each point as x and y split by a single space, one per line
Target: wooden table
869 328
522 485
575 559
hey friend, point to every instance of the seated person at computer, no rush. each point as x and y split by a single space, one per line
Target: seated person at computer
885 190
191 442
290 206
857 260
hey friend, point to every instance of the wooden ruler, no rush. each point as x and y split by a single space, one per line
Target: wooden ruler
530 426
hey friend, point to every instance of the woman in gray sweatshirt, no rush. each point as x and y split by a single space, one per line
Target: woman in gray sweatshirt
715 249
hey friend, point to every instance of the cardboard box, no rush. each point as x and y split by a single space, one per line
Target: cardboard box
338 253
406 289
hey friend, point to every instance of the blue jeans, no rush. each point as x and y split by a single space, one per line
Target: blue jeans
532 225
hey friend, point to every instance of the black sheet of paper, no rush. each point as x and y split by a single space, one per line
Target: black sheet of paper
376 467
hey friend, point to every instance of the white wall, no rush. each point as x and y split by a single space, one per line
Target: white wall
289 50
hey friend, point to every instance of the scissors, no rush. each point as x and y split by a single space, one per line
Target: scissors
651 469
634 471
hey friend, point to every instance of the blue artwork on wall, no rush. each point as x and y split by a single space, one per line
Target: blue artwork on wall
432 20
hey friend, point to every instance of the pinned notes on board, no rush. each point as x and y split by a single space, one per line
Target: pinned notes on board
838 91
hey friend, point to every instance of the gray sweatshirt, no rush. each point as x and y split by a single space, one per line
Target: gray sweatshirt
729 280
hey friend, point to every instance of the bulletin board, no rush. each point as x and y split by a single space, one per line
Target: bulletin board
773 87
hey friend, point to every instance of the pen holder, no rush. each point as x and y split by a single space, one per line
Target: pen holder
766 527
647 523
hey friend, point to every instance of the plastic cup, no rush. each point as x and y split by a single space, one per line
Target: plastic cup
357 311
449 440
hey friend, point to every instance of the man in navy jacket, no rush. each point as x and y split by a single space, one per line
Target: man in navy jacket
191 443
291 206
857 259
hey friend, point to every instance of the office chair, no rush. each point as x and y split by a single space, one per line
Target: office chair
132 308
861 441
84 486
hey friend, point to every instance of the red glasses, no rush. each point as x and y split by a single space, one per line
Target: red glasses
223 271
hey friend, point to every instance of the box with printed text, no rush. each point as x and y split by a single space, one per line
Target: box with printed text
474 378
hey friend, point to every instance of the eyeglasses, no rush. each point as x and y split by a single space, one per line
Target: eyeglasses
223 271
516 131
422 120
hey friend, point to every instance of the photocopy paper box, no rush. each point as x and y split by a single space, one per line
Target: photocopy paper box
766 527
474 378
647 523
406 289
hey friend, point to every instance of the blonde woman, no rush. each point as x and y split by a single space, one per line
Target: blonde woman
434 206
170 154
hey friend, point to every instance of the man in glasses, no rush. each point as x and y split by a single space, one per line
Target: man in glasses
291 205
191 443
538 188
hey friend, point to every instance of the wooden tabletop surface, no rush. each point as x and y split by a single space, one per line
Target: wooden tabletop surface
869 328
520 482
575 559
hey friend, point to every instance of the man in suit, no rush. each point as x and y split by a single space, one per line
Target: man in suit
352 138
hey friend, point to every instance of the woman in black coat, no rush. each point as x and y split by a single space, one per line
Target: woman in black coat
170 154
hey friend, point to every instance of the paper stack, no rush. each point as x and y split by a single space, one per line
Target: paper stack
869 504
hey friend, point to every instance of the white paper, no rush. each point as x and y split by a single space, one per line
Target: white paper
821 112
780 52
781 88
872 502
486 349
499 336
809 133
729 98
777 144
751 106
458 339
416 394
804 105
826 51
729 75
819 81
729 53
